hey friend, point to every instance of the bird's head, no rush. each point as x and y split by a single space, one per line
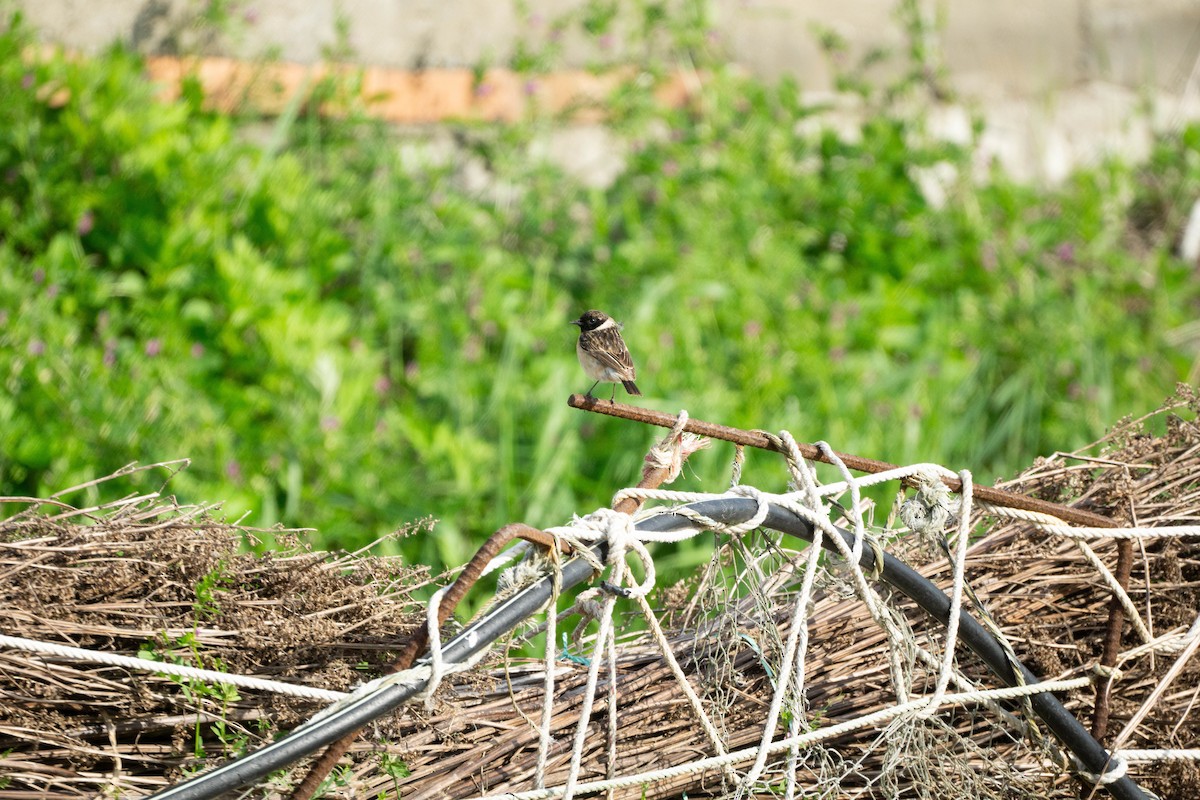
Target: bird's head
591 320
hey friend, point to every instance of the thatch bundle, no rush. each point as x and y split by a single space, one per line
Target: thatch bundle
149 577
140 575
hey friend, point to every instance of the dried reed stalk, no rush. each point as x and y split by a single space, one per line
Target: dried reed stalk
118 580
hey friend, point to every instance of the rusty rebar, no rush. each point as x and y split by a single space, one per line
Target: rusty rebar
1112 639
762 441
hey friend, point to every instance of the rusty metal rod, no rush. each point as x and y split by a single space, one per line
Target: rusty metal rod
1112 641
989 494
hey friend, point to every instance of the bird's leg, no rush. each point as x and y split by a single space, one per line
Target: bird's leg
613 399
589 391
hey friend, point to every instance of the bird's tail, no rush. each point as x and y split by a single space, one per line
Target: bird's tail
631 387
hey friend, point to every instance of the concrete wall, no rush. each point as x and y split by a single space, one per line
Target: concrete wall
1059 82
1022 46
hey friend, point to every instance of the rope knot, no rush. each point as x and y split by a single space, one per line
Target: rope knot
760 514
932 507
616 529
674 449
1117 767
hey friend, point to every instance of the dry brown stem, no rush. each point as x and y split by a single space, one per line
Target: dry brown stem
121 577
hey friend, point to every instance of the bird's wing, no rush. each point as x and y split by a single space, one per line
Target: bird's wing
607 347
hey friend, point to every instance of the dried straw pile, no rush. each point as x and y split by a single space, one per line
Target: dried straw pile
129 578
148 575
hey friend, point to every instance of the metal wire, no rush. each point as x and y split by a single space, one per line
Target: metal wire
1091 755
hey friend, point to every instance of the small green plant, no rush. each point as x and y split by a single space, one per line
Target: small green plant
187 649
395 768
340 777
207 588
197 693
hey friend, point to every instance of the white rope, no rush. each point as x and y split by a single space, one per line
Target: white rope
175 670
888 475
413 675
867 594
801 740
1118 591
618 530
589 698
431 675
860 530
622 538
551 654
1117 767
807 481
956 595
1168 532
800 669
1158 755
703 523
792 666
610 649
437 666
791 669
1051 524
1167 643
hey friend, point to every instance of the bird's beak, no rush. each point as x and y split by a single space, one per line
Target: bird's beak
575 322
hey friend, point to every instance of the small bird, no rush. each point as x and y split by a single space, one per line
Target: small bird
602 352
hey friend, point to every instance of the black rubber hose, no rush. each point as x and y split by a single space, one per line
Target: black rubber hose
311 737
505 617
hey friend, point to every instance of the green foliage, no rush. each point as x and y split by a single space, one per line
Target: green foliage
207 603
213 697
396 768
343 334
